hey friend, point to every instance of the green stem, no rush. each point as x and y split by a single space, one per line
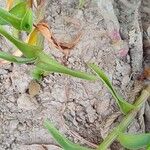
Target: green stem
126 121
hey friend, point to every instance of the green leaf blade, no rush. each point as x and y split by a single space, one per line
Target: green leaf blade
29 51
27 21
20 17
37 73
136 141
19 10
61 69
81 3
63 142
3 22
10 19
148 148
124 106
49 64
11 58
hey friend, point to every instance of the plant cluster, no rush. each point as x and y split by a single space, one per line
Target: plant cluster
127 140
21 18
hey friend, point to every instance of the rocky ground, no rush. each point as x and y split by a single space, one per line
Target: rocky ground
84 111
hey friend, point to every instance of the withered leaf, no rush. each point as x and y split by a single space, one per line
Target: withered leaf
62 46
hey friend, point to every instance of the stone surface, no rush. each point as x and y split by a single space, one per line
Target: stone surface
82 106
25 102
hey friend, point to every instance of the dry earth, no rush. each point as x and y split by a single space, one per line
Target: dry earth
84 111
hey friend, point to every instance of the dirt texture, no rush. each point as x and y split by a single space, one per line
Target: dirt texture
84 111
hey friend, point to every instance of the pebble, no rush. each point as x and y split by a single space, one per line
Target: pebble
26 103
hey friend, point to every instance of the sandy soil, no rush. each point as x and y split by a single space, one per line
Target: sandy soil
84 111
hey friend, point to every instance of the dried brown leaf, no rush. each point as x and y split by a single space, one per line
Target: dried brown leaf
62 46
9 4
145 74
40 3
44 29
30 3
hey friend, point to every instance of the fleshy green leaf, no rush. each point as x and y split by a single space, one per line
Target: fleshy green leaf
61 69
148 148
19 10
135 141
49 64
124 106
2 21
10 19
20 17
27 21
81 3
11 58
29 51
63 142
37 73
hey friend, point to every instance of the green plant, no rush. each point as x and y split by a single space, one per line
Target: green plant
21 18
124 106
129 141
134 141
81 3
